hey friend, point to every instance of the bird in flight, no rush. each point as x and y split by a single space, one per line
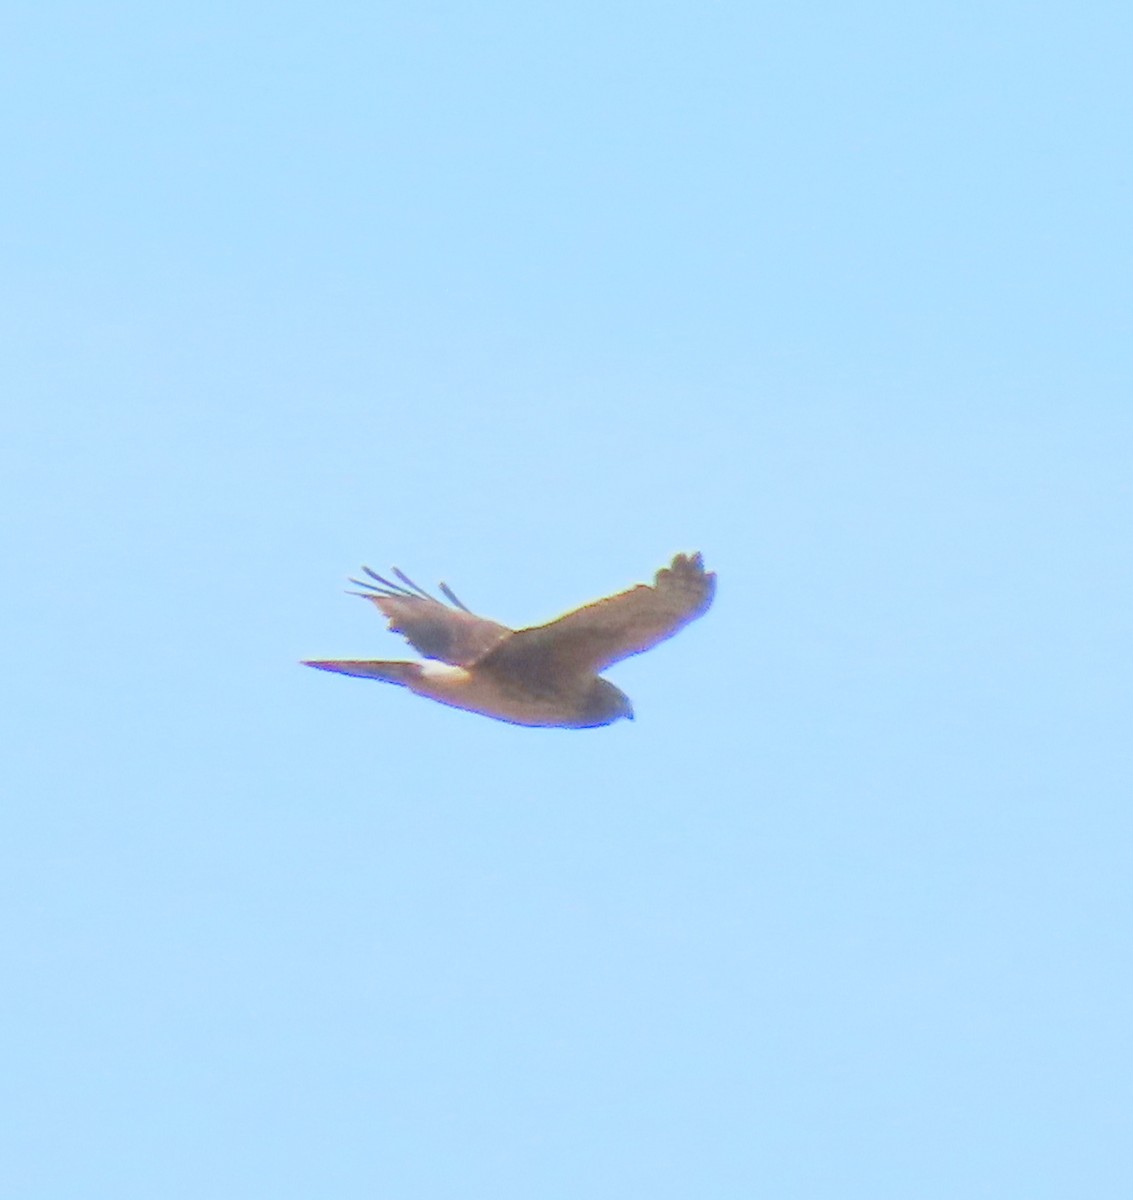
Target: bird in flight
544 675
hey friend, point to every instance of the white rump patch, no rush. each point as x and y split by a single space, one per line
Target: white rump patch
439 672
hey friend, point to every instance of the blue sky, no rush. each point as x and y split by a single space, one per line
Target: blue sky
528 299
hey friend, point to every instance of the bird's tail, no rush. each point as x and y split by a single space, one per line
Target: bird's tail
400 673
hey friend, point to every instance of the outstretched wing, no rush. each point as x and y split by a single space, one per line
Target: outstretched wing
591 638
451 634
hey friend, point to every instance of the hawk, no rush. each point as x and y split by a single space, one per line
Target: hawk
541 676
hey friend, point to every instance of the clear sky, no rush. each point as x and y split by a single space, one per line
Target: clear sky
529 297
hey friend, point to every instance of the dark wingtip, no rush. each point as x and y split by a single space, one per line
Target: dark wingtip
409 583
406 590
452 597
692 562
388 587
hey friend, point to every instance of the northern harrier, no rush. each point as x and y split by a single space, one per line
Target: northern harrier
545 675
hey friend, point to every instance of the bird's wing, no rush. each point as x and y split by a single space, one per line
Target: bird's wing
591 638
448 632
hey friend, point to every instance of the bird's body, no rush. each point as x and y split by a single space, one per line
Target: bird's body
482 691
546 675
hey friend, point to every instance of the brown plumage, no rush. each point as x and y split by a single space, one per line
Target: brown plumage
545 675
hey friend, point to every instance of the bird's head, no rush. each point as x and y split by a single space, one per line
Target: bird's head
605 704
